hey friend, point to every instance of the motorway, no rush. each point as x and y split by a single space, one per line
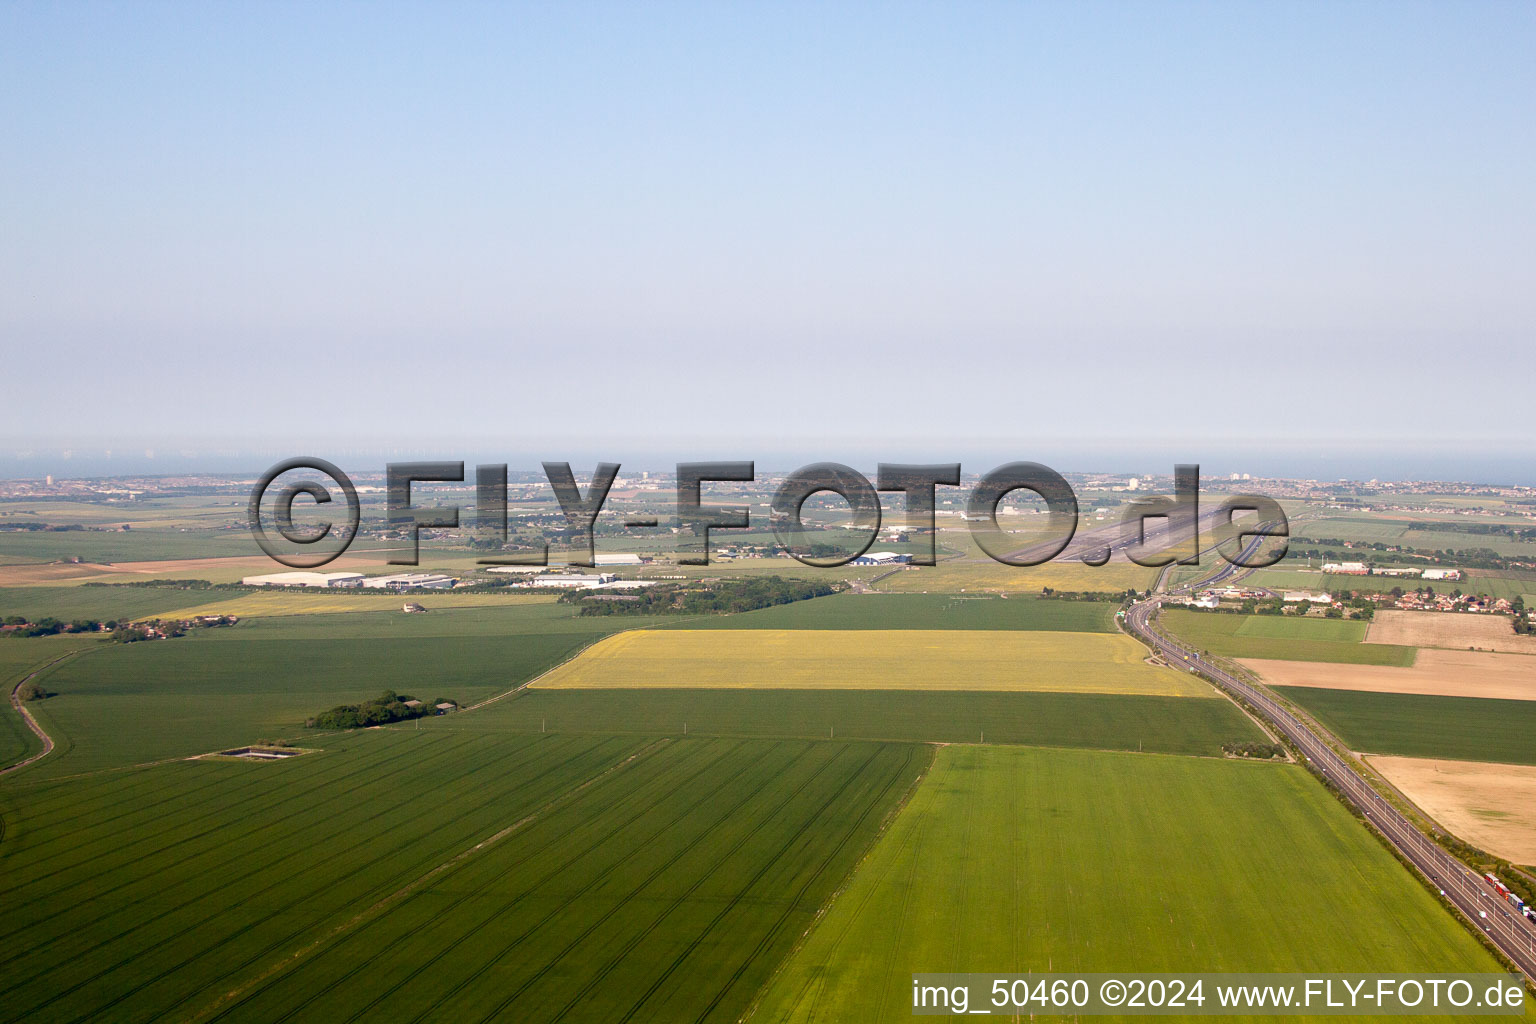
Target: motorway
1464 887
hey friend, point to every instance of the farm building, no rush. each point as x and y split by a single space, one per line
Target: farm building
304 579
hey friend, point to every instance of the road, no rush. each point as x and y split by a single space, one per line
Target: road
1467 890
26 715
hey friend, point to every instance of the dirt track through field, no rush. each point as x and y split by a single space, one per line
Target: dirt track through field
1444 673
1492 806
26 715
1453 630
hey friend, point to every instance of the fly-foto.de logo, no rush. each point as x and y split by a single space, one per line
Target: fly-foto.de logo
1237 527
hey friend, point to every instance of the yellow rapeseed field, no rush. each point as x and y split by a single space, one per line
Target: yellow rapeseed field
895 659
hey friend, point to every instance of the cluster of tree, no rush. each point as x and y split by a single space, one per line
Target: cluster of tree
168 584
51 626
33 690
1520 533
704 599
128 633
383 709
121 632
39 528
1465 558
1052 594
1261 751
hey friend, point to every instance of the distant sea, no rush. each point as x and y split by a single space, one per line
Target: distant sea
1410 460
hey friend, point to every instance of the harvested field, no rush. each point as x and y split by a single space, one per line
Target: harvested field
1448 629
1492 806
1444 673
899 659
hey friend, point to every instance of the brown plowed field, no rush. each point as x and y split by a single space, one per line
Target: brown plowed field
1492 806
1455 630
1448 673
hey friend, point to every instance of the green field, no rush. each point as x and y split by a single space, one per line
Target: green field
658 853
1361 529
1289 638
978 573
134 546
99 603
1419 725
127 704
1170 724
1027 860
403 876
18 660
922 611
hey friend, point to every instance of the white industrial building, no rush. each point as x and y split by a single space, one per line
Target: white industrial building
1442 574
573 580
617 559
881 558
410 581
1297 596
304 579
1346 568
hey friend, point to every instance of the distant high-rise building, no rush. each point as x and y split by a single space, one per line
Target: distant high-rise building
48 480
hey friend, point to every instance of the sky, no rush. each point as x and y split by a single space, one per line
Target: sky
700 228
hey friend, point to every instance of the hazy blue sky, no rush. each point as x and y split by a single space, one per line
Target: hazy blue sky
835 224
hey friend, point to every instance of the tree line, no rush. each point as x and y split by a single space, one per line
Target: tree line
701 599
